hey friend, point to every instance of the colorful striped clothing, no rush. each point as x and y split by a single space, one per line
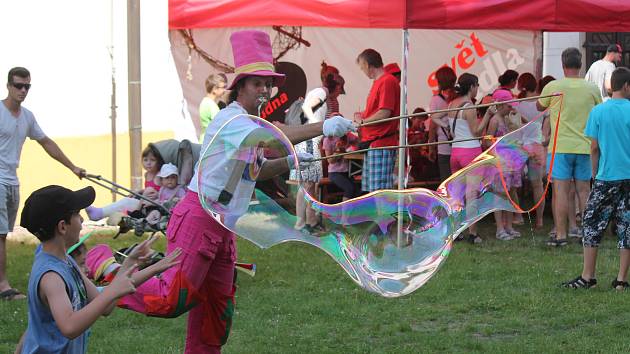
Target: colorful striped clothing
378 170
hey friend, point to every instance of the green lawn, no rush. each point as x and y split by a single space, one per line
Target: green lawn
499 297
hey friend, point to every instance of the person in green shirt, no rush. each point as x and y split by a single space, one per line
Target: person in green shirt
573 153
208 108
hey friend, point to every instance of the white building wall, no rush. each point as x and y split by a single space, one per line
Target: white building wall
553 45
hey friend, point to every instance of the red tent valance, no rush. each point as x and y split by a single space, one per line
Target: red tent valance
548 15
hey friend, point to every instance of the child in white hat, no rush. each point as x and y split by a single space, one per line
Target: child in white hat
170 192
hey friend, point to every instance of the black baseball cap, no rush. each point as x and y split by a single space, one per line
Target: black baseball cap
614 48
45 207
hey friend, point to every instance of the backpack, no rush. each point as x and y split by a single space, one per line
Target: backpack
294 114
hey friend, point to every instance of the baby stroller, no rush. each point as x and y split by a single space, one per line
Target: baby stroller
182 154
134 221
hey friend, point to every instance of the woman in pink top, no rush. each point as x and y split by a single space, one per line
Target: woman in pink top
464 124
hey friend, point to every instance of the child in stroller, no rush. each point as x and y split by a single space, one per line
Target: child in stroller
146 214
170 193
183 155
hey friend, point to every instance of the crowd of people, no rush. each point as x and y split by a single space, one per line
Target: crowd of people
197 275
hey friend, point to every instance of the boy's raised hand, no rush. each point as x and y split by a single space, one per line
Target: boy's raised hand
122 283
168 261
141 254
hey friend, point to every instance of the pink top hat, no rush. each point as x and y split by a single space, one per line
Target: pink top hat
253 56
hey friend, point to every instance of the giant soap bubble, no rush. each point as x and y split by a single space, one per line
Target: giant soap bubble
390 242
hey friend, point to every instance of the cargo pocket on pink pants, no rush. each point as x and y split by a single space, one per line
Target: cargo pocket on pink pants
199 260
174 224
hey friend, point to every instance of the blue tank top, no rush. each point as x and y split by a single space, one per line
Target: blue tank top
42 334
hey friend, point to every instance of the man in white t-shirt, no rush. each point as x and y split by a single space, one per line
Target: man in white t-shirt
17 123
600 71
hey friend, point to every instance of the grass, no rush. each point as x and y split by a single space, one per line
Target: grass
498 297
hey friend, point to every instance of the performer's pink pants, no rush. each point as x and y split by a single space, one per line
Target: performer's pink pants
202 282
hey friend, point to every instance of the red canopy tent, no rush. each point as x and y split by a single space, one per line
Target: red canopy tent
546 15
537 15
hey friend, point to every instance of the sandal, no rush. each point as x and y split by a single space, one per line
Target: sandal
474 239
504 236
575 233
12 294
554 242
580 283
620 285
314 229
513 233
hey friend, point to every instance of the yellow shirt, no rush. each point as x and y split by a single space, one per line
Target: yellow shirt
580 96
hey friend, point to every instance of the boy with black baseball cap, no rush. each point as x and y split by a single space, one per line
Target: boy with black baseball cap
62 302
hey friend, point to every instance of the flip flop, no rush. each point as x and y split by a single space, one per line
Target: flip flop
11 294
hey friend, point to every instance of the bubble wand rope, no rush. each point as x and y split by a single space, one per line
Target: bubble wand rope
553 154
485 137
446 110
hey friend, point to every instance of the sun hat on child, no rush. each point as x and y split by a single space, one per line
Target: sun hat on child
97 260
168 169
501 95
253 56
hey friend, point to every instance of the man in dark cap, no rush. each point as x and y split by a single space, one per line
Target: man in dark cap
600 71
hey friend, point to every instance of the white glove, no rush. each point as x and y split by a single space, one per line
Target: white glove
304 159
338 126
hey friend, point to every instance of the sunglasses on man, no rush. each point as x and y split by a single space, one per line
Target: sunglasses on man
19 86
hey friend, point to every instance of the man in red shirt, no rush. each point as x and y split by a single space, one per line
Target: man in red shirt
382 102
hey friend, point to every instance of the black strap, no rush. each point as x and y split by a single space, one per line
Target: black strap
230 186
446 134
316 107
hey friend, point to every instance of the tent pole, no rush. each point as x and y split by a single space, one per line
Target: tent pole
113 105
402 139
133 84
